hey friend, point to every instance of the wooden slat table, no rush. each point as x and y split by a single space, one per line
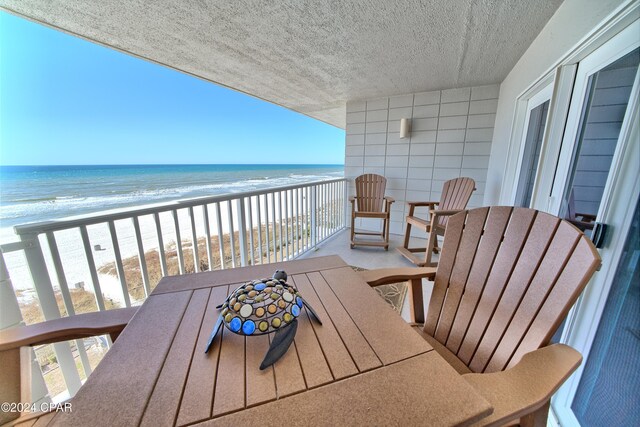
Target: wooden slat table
364 365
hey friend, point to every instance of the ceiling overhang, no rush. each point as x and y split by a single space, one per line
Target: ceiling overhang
311 57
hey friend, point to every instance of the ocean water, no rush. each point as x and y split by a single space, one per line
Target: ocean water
40 193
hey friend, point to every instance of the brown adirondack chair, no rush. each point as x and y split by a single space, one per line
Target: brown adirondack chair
14 374
370 202
455 196
506 279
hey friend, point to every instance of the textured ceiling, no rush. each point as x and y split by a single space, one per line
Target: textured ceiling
312 56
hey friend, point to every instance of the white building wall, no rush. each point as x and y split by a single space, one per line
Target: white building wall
572 22
451 132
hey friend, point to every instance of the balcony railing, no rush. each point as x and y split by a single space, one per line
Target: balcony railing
221 232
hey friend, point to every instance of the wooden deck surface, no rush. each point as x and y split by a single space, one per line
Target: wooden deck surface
363 365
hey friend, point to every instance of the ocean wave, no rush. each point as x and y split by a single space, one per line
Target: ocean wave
44 208
33 200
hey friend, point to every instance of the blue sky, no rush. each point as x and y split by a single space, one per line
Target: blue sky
64 100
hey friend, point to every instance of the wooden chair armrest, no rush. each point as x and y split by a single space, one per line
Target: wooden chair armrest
414 276
418 204
352 199
389 199
383 276
527 386
586 217
110 322
438 212
582 225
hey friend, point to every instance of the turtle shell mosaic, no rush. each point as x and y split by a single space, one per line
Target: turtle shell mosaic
262 307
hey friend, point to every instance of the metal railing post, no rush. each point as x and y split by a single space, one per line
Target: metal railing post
194 240
141 257
232 239
207 235
44 289
220 240
314 216
176 224
242 231
161 253
250 218
345 204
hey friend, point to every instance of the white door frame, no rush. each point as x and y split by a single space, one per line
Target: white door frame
562 74
543 94
623 43
616 208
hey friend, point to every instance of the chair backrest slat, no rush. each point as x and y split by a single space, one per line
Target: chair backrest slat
525 302
370 192
496 224
445 267
568 288
458 279
491 301
455 195
524 270
512 243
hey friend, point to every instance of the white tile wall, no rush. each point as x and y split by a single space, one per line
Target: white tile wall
451 133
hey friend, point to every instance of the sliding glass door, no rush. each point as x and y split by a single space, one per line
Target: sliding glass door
596 186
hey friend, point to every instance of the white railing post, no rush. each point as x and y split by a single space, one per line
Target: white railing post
242 231
66 296
296 215
250 218
345 204
314 216
194 241
142 261
11 316
232 238
161 253
176 224
95 282
44 289
307 218
273 224
267 241
119 266
287 240
281 236
220 240
207 233
259 207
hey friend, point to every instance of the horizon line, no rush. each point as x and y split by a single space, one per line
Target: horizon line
178 164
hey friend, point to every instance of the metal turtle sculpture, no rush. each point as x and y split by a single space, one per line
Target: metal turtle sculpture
262 307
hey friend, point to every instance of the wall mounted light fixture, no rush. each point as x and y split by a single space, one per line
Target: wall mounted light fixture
405 128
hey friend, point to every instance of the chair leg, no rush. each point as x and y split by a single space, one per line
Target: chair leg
407 236
433 240
436 248
538 418
353 229
416 303
386 233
